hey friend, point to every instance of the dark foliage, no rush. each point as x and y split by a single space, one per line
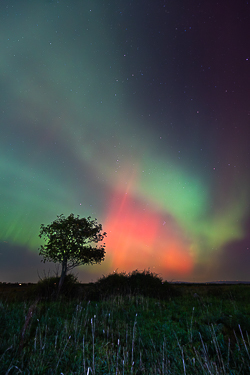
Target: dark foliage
47 287
144 283
72 239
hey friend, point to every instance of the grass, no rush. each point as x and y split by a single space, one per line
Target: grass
192 330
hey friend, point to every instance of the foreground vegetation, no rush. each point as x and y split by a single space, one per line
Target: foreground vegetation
116 326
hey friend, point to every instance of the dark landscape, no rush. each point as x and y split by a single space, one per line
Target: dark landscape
125 324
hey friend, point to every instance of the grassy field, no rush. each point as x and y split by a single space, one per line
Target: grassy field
116 326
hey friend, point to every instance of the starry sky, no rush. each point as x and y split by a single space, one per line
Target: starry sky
133 112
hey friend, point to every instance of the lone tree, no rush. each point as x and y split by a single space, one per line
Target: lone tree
70 242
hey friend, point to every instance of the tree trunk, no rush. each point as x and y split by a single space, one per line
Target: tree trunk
63 274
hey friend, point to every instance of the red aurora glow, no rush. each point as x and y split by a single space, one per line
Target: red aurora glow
141 238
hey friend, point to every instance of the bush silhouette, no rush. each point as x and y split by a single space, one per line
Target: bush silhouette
146 283
115 283
47 287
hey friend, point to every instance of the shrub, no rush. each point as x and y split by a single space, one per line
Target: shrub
47 287
115 283
146 283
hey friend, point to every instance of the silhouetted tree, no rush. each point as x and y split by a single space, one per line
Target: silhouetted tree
70 242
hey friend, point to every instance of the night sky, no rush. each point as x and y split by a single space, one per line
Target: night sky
136 113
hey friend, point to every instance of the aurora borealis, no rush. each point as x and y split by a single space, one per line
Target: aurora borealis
137 114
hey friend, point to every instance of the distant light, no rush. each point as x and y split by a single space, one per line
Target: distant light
19 284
